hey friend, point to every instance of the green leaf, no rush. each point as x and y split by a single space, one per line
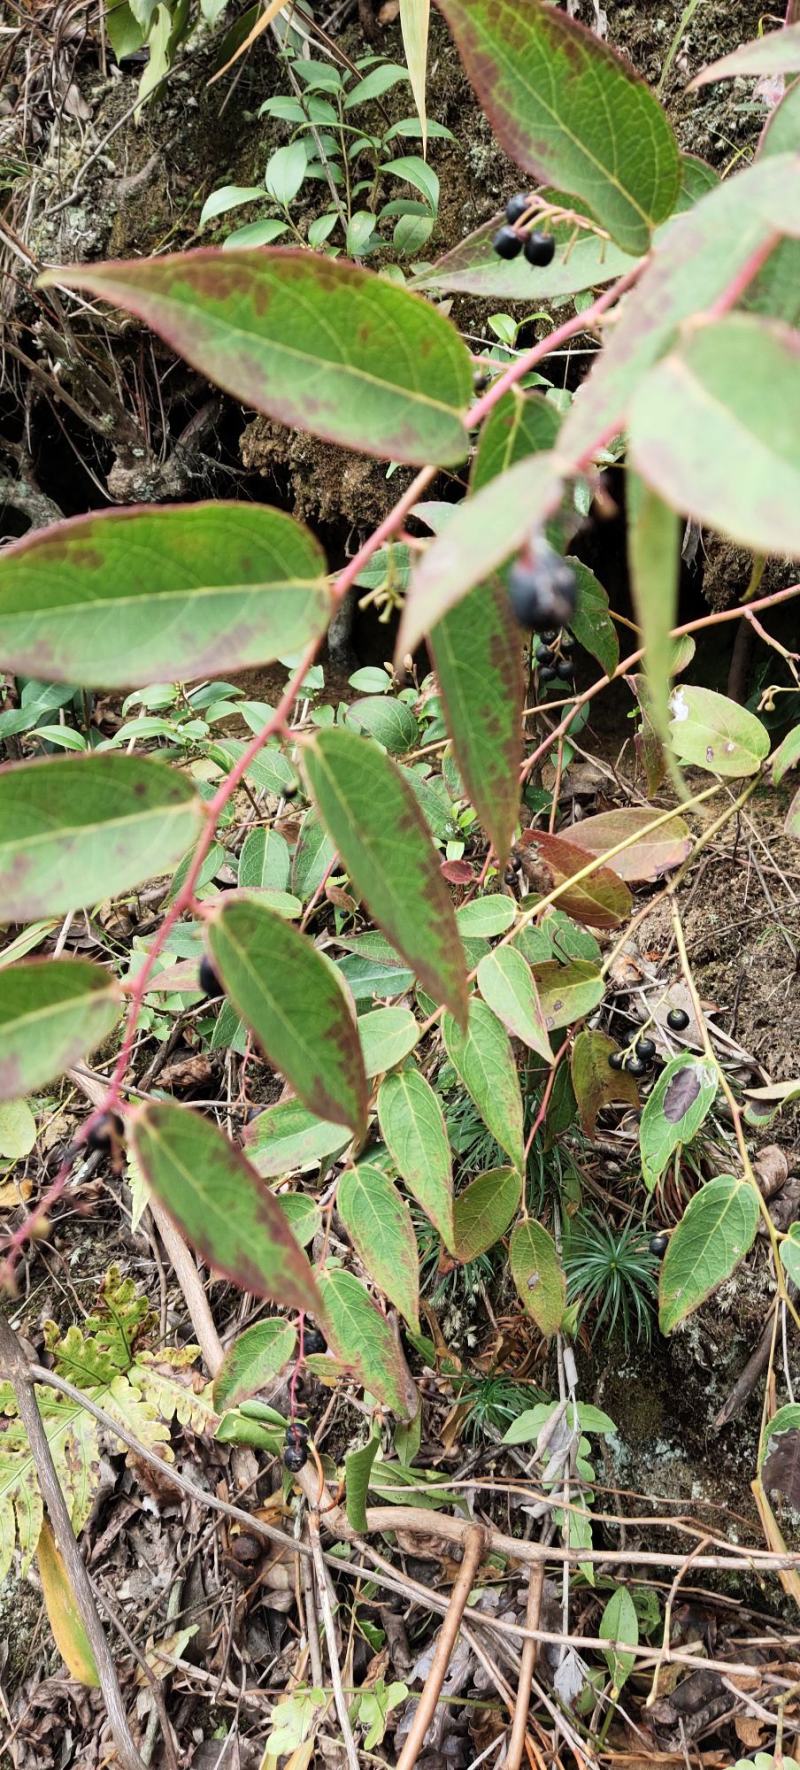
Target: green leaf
484 532
303 339
792 821
227 197
473 267
786 756
313 856
413 1128
692 263
294 1000
417 173
567 109
790 1253
360 1336
264 862
568 992
414 25
17 1129
391 722
538 1276
595 1085
710 731
681 1099
52 1012
135 596
483 1058
379 1224
484 917
255 1358
527 1426
478 659
654 561
80 828
602 900
287 1137
777 52
507 985
591 622
357 1471
484 1210
63 1612
619 1624
374 820
221 1206
521 424
285 171
782 129
734 390
387 1035
714 1234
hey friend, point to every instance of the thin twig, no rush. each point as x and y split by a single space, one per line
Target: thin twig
474 1547
516 1744
329 1626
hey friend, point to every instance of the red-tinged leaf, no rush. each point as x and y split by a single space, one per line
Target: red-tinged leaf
601 900
538 1276
777 52
594 1083
131 596
568 992
222 1206
361 1337
304 339
375 823
457 872
484 532
648 859
297 1004
380 1226
484 1210
568 109
413 1128
478 659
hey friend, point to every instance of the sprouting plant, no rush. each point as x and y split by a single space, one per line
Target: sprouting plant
613 1271
493 1401
343 138
458 1285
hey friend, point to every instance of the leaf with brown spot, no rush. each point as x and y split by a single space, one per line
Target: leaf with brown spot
601 900
682 1097
539 1276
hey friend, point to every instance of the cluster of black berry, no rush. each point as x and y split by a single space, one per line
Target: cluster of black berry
552 659
642 1058
295 1447
538 248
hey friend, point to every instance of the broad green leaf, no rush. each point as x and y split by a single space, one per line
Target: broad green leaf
654 562
221 1205
313 856
507 985
595 1084
526 1427
265 862
303 338
361 1337
648 859
786 756
227 197
416 172
714 1234
391 722
285 171
252 1361
357 1471
521 424
734 390
483 534
414 24
591 622
484 1210
17 1129
81 828
710 731
387 1035
293 999
52 1012
538 1276
63 1612
777 52
682 1097
695 259
379 1224
134 596
567 109
473 267
478 659
484 917
568 992
374 820
619 1624
413 1128
602 899
790 1253
369 974
483 1058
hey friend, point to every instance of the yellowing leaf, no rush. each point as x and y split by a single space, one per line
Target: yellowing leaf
63 1613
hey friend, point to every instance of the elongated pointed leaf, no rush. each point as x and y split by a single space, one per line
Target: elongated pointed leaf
379 1224
594 1083
483 1058
711 731
294 1000
777 52
569 110
486 530
507 985
413 1129
304 339
619 1624
134 596
222 1206
77 829
478 659
52 1011
287 1137
357 1471
484 1210
375 822
654 559
734 389
63 1612
414 24
714 1234
682 1097
649 859
360 1336
602 899
473 267
568 992
538 1276
387 1035
254 1360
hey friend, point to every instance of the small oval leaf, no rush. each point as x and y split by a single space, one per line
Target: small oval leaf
714 1234
538 1276
507 985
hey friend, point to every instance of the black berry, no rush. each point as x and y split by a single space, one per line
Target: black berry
540 249
646 1049
296 1432
616 1059
101 1134
635 1066
516 207
550 636
567 642
295 1457
542 587
545 656
506 243
659 1244
291 790
677 1020
207 979
314 1341
547 673
565 669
